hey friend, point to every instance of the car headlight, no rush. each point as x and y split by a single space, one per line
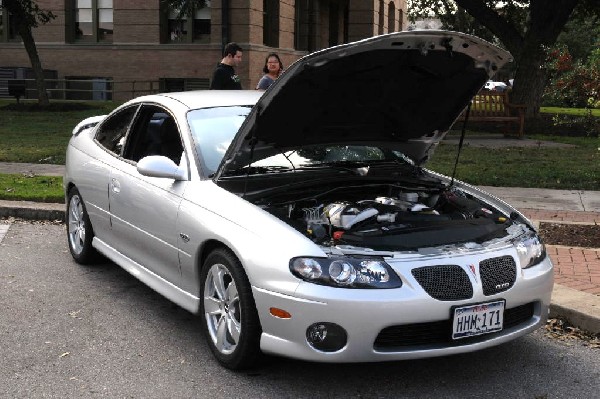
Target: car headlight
346 272
531 250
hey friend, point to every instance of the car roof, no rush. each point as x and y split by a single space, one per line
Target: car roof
207 98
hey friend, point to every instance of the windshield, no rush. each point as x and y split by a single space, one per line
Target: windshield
324 156
317 155
212 131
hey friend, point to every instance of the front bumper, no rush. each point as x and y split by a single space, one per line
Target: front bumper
365 313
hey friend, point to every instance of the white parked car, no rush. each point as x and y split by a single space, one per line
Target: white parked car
495 86
301 222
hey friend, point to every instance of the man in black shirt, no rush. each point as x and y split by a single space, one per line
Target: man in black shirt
224 77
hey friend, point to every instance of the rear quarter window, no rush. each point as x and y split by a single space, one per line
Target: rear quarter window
111 134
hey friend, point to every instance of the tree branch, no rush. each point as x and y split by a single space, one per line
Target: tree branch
500 27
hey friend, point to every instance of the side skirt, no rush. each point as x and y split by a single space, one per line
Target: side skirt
170 291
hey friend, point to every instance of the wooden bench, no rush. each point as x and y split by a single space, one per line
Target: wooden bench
493 106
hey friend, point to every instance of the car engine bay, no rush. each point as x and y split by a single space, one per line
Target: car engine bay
389 217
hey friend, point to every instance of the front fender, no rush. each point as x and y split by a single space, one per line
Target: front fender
263 243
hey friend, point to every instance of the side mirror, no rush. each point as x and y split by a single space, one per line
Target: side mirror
160 166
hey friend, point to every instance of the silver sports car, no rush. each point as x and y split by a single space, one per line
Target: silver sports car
301 221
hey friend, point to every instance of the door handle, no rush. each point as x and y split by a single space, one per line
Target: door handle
115 186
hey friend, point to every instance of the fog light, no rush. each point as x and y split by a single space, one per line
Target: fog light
326 337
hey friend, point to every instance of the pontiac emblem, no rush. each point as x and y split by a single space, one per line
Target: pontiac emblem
473 272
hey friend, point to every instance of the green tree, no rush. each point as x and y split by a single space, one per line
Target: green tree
525 28
26 15
581 34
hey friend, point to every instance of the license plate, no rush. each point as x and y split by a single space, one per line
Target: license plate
472 320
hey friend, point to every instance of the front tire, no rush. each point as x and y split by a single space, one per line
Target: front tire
79 229
229 317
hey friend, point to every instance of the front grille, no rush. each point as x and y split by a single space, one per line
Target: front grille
497 274
440 332
444 282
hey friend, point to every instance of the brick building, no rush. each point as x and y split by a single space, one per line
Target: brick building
119 42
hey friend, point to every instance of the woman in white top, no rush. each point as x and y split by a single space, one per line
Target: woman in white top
272 69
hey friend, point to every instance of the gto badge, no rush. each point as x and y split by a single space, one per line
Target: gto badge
502 286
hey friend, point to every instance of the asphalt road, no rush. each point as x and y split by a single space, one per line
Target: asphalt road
68 331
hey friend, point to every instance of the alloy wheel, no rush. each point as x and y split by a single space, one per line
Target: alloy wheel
76 224
222 309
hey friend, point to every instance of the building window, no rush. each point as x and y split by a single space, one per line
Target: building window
176 27
93 21
271 23
180 28
334 24
305 33
401 20
381 16
391 17
167 85
8 29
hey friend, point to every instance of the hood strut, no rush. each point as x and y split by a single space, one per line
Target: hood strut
253 140
460 143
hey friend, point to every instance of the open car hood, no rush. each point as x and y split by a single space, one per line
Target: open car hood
401 91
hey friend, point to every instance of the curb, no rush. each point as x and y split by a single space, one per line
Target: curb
581 309
32 210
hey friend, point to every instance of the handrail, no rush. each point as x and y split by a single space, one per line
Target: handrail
65 89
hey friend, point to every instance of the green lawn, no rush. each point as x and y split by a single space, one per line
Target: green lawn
31 188
574 168
42 137
569 111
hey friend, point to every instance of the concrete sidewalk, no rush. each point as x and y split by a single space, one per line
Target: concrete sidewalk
576 293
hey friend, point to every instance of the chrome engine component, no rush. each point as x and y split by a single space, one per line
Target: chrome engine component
405 220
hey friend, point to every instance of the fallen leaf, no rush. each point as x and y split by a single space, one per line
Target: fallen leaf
560 329
75 314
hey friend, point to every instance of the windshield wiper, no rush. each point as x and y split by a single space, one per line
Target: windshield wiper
360 168
254 170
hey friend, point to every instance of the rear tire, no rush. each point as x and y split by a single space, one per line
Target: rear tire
229 317
79 229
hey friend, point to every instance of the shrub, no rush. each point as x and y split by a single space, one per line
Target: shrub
572 84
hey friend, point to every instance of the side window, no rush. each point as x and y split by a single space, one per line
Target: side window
154 133
112 132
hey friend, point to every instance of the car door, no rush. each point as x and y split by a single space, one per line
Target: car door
93 184
144 209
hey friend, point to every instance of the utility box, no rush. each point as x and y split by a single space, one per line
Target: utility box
16 88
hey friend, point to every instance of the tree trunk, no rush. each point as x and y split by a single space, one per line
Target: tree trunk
545 23
530 78
36 65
